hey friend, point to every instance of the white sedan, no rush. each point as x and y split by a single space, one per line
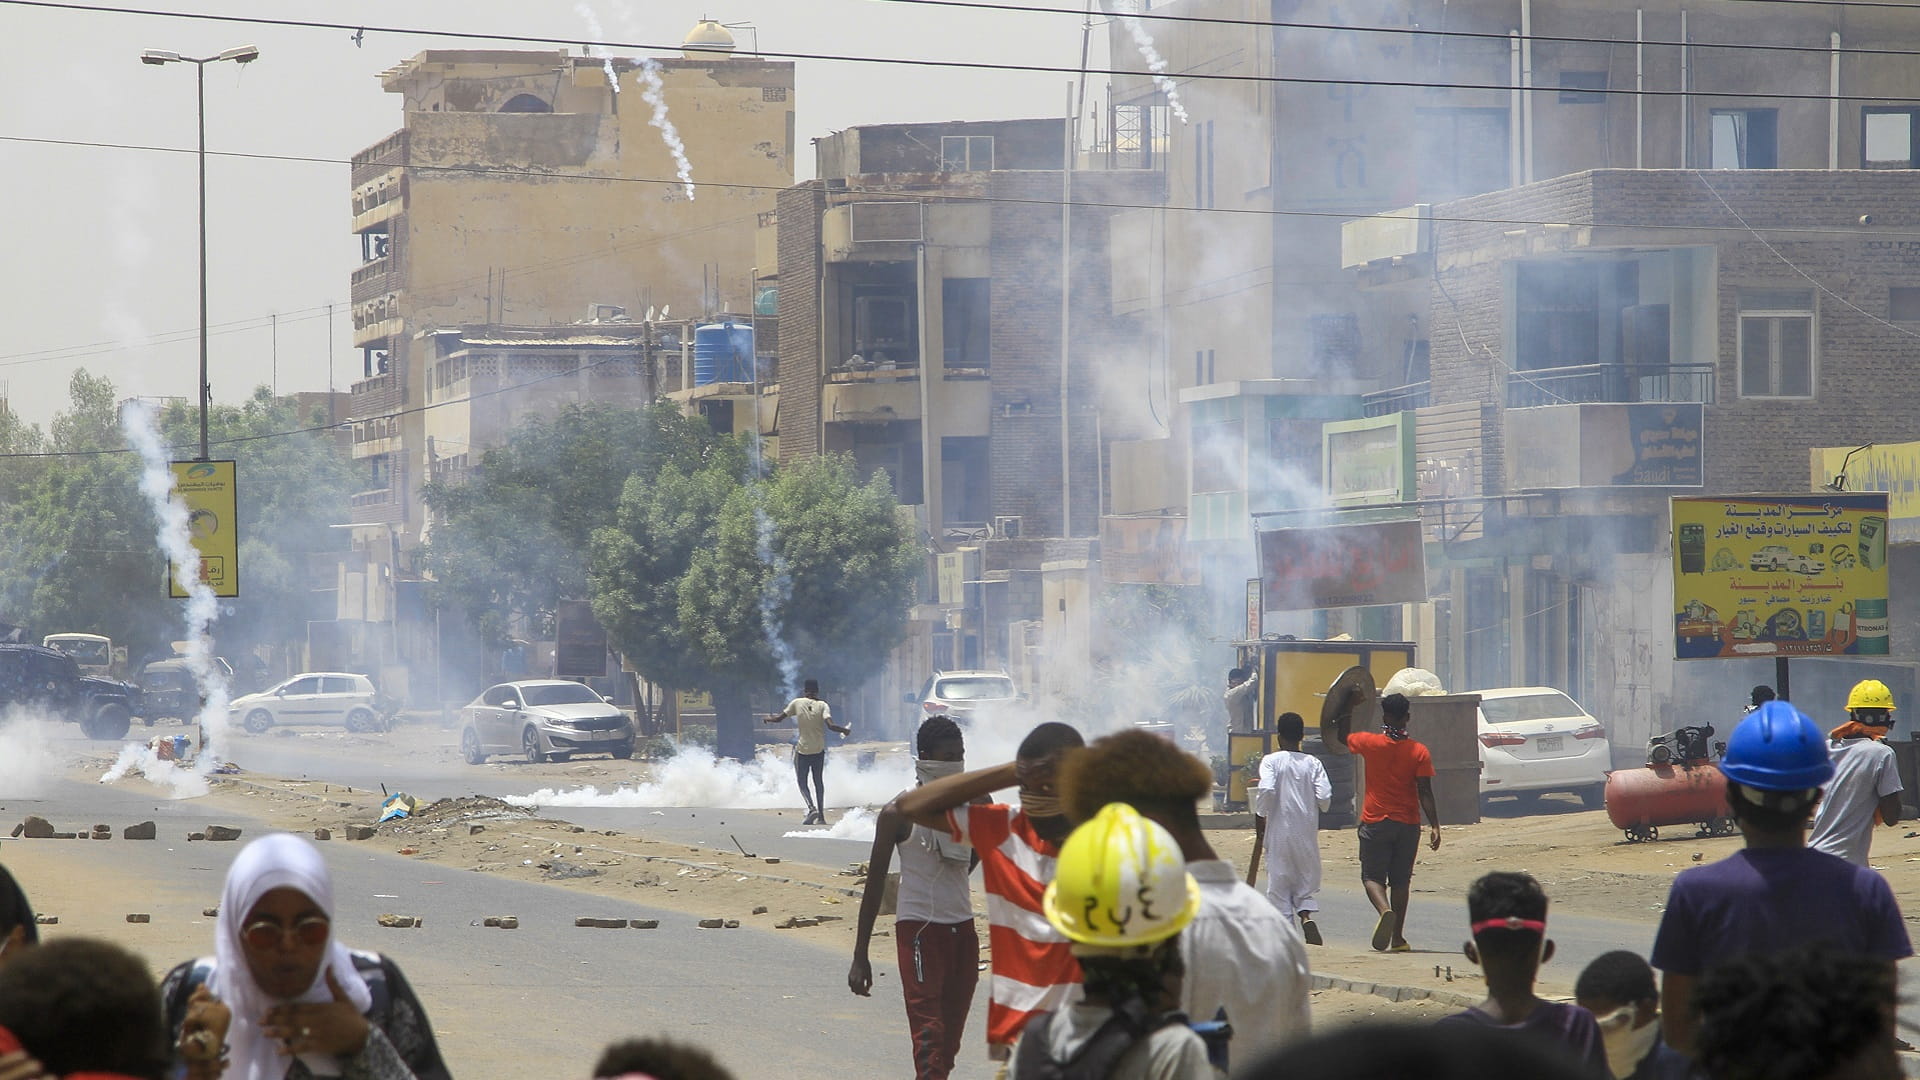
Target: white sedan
1535 739
544 719
315 697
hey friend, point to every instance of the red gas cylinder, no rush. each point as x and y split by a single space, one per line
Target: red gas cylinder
1641 800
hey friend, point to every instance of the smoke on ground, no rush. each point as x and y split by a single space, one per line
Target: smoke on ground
856 824
28 763
182 780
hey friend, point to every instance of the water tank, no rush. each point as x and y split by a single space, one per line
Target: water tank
722 352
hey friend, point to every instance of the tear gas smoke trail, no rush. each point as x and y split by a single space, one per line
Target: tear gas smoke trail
156 485
775 591
655 94
1156 64
593 27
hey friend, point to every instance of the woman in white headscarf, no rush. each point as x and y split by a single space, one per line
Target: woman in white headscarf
281 998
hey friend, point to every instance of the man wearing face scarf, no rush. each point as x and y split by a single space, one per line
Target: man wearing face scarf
282 998
939 949
1033 966
1617 988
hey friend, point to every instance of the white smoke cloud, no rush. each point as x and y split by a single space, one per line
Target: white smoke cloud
28 763
655 94
856 824
181 780
695 777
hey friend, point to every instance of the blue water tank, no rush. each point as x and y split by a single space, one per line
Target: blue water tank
722 352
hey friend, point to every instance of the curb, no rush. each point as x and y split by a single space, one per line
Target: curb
1394 993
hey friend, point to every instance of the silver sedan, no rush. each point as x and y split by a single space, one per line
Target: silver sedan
547 719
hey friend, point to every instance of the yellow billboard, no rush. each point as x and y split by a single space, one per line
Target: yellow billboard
1780 575
208 490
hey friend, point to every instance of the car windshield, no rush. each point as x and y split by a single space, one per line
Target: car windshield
1513 710
983 688
560 694
86 652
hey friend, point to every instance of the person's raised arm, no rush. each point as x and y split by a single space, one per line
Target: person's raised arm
1425 786
890 829
1338 727
928 804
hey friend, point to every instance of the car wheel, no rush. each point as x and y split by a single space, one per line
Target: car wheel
258 721
471 749
623 751
530 744
108 722
363 720
1594 797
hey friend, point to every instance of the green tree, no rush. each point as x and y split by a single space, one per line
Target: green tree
511 541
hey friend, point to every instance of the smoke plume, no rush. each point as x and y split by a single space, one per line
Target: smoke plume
1156 63
655 93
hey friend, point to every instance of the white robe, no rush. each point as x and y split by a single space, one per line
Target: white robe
1293 789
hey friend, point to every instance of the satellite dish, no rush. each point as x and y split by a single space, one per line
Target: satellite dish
664 310
649 314
1351 690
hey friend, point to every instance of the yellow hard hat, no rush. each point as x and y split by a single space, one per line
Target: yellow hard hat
1120 881
1869 694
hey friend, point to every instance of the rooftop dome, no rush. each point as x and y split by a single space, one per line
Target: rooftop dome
707 36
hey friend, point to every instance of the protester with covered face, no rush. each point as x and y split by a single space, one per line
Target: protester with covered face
81 1008
1617 988
1865 788
282 998
933 932
1033 968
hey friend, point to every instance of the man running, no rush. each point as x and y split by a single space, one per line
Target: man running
1399 788
1033 966
1866 782
933 934
812 718
1293 792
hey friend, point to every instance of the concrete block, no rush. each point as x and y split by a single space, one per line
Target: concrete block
140 918
222 832
211 913
773 862
323 834
400 922
19 828
712 924
65 836
46 920
146 830
732 924
760 909
36 828
359 832
491 920
192 836
644 924
475 829
509 922
602 924
796 922
103 828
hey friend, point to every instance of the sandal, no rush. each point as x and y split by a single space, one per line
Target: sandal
1383 931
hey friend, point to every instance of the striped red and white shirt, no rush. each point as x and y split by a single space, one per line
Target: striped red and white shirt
1033 968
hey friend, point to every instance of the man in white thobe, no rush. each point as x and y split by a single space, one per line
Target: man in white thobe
1292 792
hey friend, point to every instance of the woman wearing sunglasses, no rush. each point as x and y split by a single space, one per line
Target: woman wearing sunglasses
281 998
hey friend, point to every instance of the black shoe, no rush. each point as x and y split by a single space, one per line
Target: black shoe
1312 931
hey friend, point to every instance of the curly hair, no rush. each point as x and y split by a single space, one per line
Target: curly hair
1504 894
662 1059
1140 769
1620 976
1794 1015
81 1005
936 731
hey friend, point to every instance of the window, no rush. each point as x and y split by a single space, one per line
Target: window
1745 139
965 322
1777 354
337 685
884 328
1903 304
308 685
1202 367
1583 87
966 153
966 493
1461 151
1887 138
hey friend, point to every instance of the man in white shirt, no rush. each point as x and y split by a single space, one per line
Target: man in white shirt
812 718
1287 804
1866 781
1243 700
1241 955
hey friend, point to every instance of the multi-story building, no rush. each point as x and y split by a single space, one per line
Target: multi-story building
518 231
1482 329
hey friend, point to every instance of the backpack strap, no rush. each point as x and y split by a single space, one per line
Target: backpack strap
1130 1023
1033 1062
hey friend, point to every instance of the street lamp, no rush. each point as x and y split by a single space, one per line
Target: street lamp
245 54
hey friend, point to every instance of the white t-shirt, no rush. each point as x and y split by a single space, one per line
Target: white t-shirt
1863 772
1243 955
1172 1052
934 868
810 715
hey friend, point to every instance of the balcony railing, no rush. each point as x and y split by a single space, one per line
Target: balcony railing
1397 399
1611 382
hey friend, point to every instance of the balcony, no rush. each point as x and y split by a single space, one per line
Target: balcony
853 397
379 157
1671 383
1397 399
376 396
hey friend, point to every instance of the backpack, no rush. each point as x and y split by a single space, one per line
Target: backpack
1095 1059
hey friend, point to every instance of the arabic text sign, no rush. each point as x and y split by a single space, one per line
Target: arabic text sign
208 489
1343 566
1780 575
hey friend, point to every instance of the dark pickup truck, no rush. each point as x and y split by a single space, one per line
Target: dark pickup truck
48 682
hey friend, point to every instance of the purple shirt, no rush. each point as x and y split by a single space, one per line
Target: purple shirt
1768 900
1569 1025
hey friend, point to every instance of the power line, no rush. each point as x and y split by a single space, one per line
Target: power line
970 65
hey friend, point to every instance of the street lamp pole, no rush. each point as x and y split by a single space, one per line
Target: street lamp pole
245 54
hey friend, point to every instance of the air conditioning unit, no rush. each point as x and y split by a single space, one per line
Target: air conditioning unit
598 313
1007 528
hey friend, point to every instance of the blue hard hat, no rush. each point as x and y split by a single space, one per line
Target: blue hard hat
1777 748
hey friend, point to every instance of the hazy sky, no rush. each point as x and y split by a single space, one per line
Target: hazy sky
101 270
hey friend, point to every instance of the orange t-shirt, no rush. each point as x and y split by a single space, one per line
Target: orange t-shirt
1392 767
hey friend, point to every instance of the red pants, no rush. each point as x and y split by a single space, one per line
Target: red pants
938 989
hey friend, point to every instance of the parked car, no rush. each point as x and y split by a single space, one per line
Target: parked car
544 719
168 689
1535 739
47 681
960 694
314 697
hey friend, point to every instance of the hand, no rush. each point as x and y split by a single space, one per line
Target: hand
334 1027
203 1035
859 980
1433 838
21 1066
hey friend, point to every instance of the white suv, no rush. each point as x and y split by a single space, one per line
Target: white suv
960 694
